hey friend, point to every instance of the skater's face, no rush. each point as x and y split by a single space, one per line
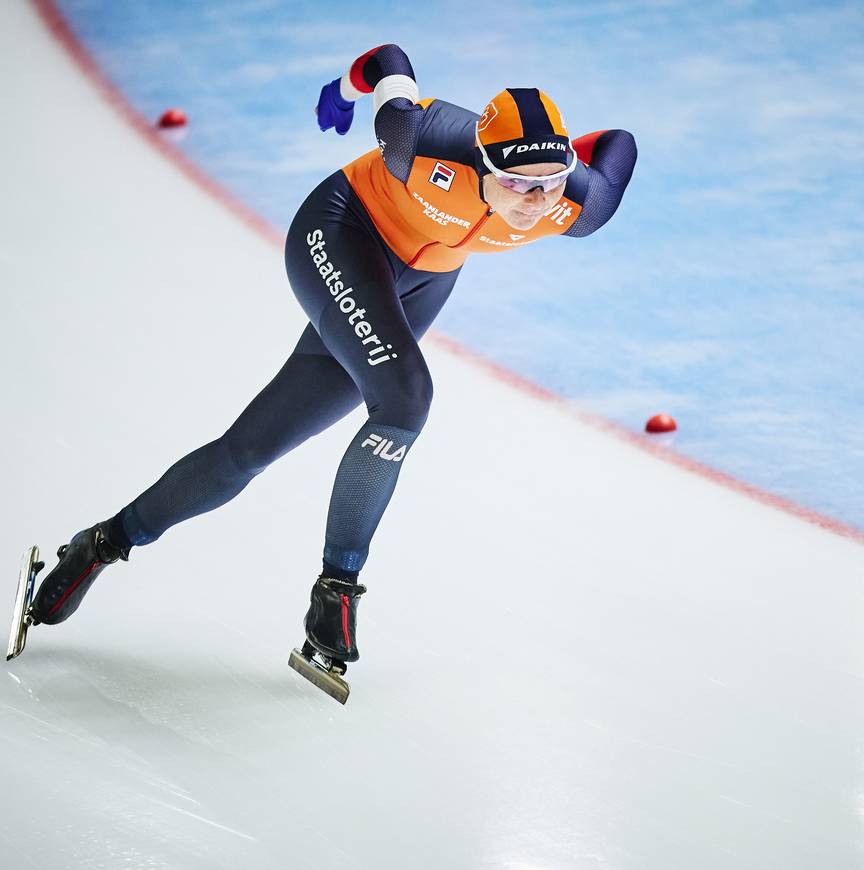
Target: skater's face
522 211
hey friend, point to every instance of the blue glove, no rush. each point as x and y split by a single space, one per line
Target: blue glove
333 111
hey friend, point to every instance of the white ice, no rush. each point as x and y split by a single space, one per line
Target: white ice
574 655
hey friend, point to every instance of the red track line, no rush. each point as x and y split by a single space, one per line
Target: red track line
644 442
60 30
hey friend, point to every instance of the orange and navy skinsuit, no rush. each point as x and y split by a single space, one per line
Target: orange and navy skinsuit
422 186
372 255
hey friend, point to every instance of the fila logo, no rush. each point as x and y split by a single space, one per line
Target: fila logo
490 113
382 445
535 146
560 213
516 237
442 176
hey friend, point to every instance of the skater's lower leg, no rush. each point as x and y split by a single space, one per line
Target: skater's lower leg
310 393
364 485
328 570
200 482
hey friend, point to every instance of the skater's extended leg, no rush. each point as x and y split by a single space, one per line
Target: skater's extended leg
310 393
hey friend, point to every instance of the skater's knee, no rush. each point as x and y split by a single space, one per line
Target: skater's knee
407 400
415 394
247 457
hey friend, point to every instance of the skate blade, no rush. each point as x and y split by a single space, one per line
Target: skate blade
30 567
330 683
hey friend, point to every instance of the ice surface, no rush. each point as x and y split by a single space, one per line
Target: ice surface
574 656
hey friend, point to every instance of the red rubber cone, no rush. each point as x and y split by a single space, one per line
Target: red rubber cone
173 118
661 423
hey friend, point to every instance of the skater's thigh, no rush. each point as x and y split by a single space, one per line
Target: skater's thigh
332 249
344 278
380 353
374 346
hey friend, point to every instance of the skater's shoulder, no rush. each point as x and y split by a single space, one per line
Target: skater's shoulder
447 132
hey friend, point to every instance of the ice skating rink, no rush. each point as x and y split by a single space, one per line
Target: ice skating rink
575 654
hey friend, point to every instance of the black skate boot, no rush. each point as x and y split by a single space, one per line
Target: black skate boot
81 562
331 622
331 636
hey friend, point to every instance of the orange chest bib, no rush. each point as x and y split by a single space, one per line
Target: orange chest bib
434 220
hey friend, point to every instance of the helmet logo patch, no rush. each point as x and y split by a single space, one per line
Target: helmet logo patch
489 115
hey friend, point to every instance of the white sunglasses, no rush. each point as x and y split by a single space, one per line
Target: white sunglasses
526 183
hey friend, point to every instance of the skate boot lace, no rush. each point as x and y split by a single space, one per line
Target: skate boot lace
106 551
352 590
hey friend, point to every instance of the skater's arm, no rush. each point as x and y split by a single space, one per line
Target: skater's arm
610 156
386 73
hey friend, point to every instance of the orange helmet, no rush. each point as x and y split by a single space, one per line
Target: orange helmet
521 126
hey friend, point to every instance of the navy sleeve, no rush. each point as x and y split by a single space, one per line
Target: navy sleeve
386 60
397 120
609 172
397 127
